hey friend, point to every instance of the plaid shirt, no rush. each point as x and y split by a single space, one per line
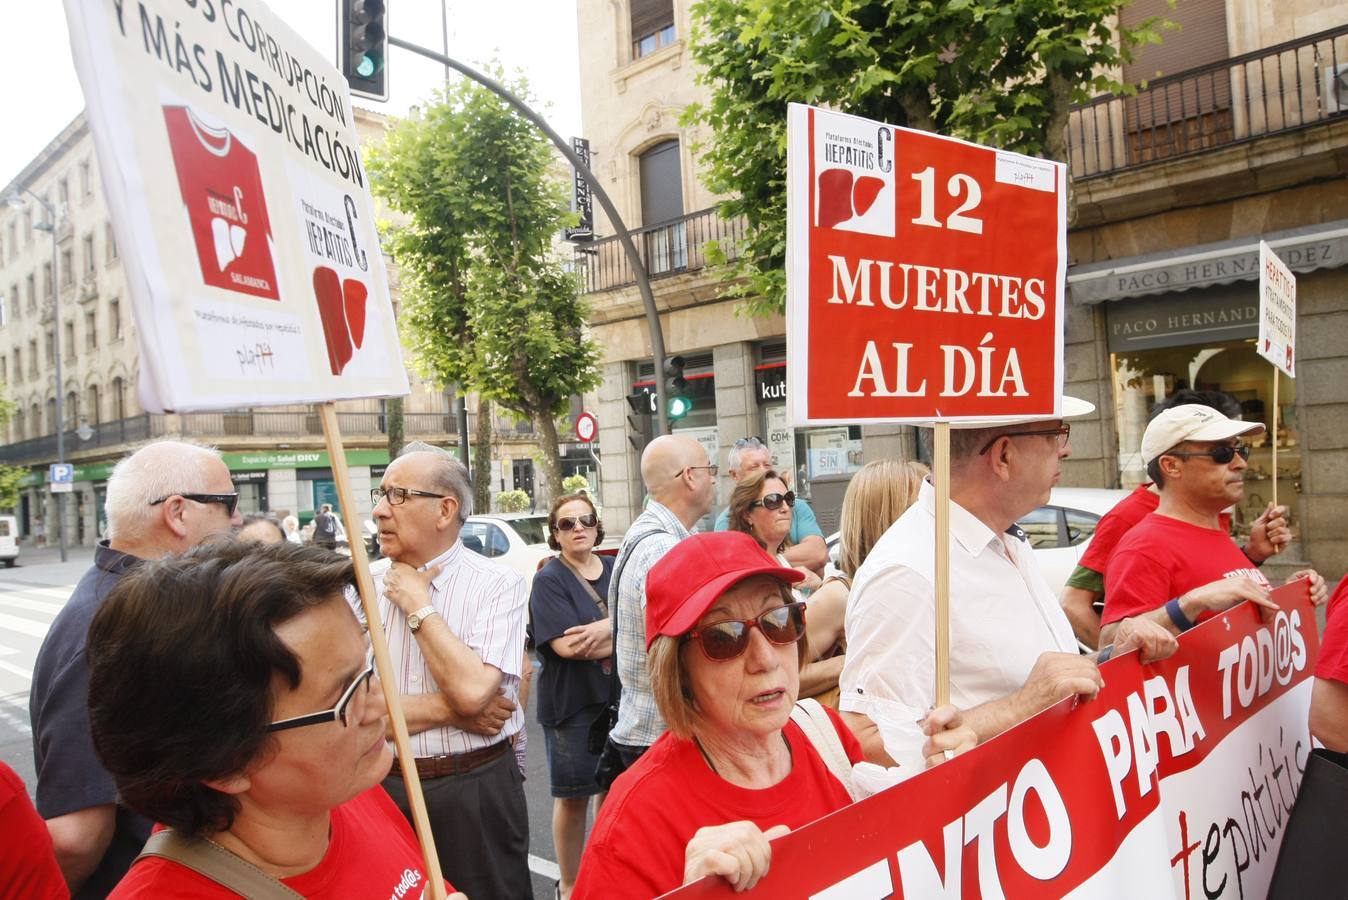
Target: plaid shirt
639 722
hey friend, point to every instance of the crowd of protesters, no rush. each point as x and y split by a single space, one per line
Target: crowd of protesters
208 720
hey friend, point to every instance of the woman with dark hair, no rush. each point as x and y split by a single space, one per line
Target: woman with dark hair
232 700
261 527
573 633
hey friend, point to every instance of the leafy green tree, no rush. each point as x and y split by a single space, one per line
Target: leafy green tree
10 476
486 299
998 72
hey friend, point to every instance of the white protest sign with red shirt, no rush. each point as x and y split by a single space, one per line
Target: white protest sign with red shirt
1176 781
924 275
1277 311
241 206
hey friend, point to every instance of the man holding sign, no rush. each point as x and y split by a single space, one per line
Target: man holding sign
1012 651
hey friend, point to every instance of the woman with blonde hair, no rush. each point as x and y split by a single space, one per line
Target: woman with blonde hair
876 496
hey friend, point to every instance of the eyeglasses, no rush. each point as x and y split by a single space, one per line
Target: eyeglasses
397 496
775 501
1220 455
337 713
229 501
1063 432
566 523
711 470
722 641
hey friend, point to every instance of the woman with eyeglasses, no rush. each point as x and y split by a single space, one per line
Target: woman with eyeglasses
231 698
725 641
572 630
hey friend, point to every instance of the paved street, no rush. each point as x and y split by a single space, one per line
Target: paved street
31 595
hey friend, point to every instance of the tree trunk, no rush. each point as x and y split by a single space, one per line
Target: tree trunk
394 426
546 426
482 457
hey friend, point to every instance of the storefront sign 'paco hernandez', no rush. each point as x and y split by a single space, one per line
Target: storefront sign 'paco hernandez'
924 275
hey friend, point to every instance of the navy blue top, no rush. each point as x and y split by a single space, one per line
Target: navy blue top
558 602
70 776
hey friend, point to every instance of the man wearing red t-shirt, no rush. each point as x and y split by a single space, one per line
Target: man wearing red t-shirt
1329 696
1082 596
1177 566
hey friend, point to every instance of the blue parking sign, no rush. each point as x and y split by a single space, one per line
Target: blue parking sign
62 473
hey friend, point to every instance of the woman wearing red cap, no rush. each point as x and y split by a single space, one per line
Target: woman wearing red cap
725 642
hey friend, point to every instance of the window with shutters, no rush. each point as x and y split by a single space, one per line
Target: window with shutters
664 230
91 404
118 398
1187 114
652 26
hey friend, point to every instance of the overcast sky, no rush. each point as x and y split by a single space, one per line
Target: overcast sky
535 36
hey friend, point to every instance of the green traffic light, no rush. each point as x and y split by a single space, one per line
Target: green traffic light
679 407
367 66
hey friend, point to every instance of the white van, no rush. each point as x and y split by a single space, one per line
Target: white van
9 540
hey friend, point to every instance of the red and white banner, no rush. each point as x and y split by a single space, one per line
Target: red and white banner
1175 782
924 275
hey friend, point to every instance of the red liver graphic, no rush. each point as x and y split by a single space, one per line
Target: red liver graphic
835 197
328 292
353 299
864 193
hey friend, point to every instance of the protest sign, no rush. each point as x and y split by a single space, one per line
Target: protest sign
1175 782
924 275
1277 332
240 204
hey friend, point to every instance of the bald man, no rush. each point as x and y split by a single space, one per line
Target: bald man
681 482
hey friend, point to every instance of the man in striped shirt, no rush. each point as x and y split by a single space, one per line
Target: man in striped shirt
455 622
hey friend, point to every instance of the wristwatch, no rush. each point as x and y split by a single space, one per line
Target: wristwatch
415 619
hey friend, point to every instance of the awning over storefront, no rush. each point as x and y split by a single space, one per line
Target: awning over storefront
1323 246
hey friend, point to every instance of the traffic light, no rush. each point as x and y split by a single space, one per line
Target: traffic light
362 45
677 401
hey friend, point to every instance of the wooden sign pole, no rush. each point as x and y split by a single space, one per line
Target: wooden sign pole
941 478
365 586
1274 436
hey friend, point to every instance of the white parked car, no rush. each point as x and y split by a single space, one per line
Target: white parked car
9 541
1058 531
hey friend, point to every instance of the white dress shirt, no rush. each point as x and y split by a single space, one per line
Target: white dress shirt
485 605
1002 617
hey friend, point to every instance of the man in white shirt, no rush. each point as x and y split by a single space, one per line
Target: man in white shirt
455 622
1012 650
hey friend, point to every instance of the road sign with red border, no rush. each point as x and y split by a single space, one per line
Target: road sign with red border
587 427
924 275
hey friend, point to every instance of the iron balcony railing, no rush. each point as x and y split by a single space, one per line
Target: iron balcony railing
667 248
1273 90
221 426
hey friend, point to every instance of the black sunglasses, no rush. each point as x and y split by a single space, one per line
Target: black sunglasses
1220 455
566 523
336 714
229 501
721 641
775 501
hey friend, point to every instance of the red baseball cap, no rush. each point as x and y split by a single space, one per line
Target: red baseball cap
688 579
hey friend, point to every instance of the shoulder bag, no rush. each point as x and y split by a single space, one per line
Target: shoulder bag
819 730
205 857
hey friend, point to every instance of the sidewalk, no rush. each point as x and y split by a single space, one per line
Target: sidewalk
43 565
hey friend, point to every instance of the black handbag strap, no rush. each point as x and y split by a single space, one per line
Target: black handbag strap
585 583
614 589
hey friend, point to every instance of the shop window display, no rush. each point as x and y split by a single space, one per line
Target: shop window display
1143 378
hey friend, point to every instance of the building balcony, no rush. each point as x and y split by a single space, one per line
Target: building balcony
676 247
224 427
1278 89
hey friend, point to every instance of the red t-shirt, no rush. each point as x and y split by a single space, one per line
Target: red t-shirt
28 867
637 846
1116 523
1333 661
1162 558
372 853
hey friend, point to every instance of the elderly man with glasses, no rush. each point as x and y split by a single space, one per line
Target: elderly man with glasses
163 499
1012 650
455 622
807 547
1178 566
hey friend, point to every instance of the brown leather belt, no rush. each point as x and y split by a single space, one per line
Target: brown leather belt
454 763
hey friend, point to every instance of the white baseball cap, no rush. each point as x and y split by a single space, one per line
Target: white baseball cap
1190 422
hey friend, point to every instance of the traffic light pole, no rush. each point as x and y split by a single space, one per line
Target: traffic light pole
623 235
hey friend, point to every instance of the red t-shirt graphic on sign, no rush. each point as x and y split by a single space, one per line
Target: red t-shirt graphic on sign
222 191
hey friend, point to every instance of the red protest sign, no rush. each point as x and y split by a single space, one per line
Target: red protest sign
1175 781
924 275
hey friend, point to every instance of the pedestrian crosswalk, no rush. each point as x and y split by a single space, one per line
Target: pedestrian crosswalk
26 614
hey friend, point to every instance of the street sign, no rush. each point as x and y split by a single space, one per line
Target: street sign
924 276
587 427
62 473
62 487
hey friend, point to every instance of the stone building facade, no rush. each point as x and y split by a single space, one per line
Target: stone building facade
1238 134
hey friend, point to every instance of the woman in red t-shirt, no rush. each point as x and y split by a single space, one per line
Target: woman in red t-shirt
231 699
724 638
